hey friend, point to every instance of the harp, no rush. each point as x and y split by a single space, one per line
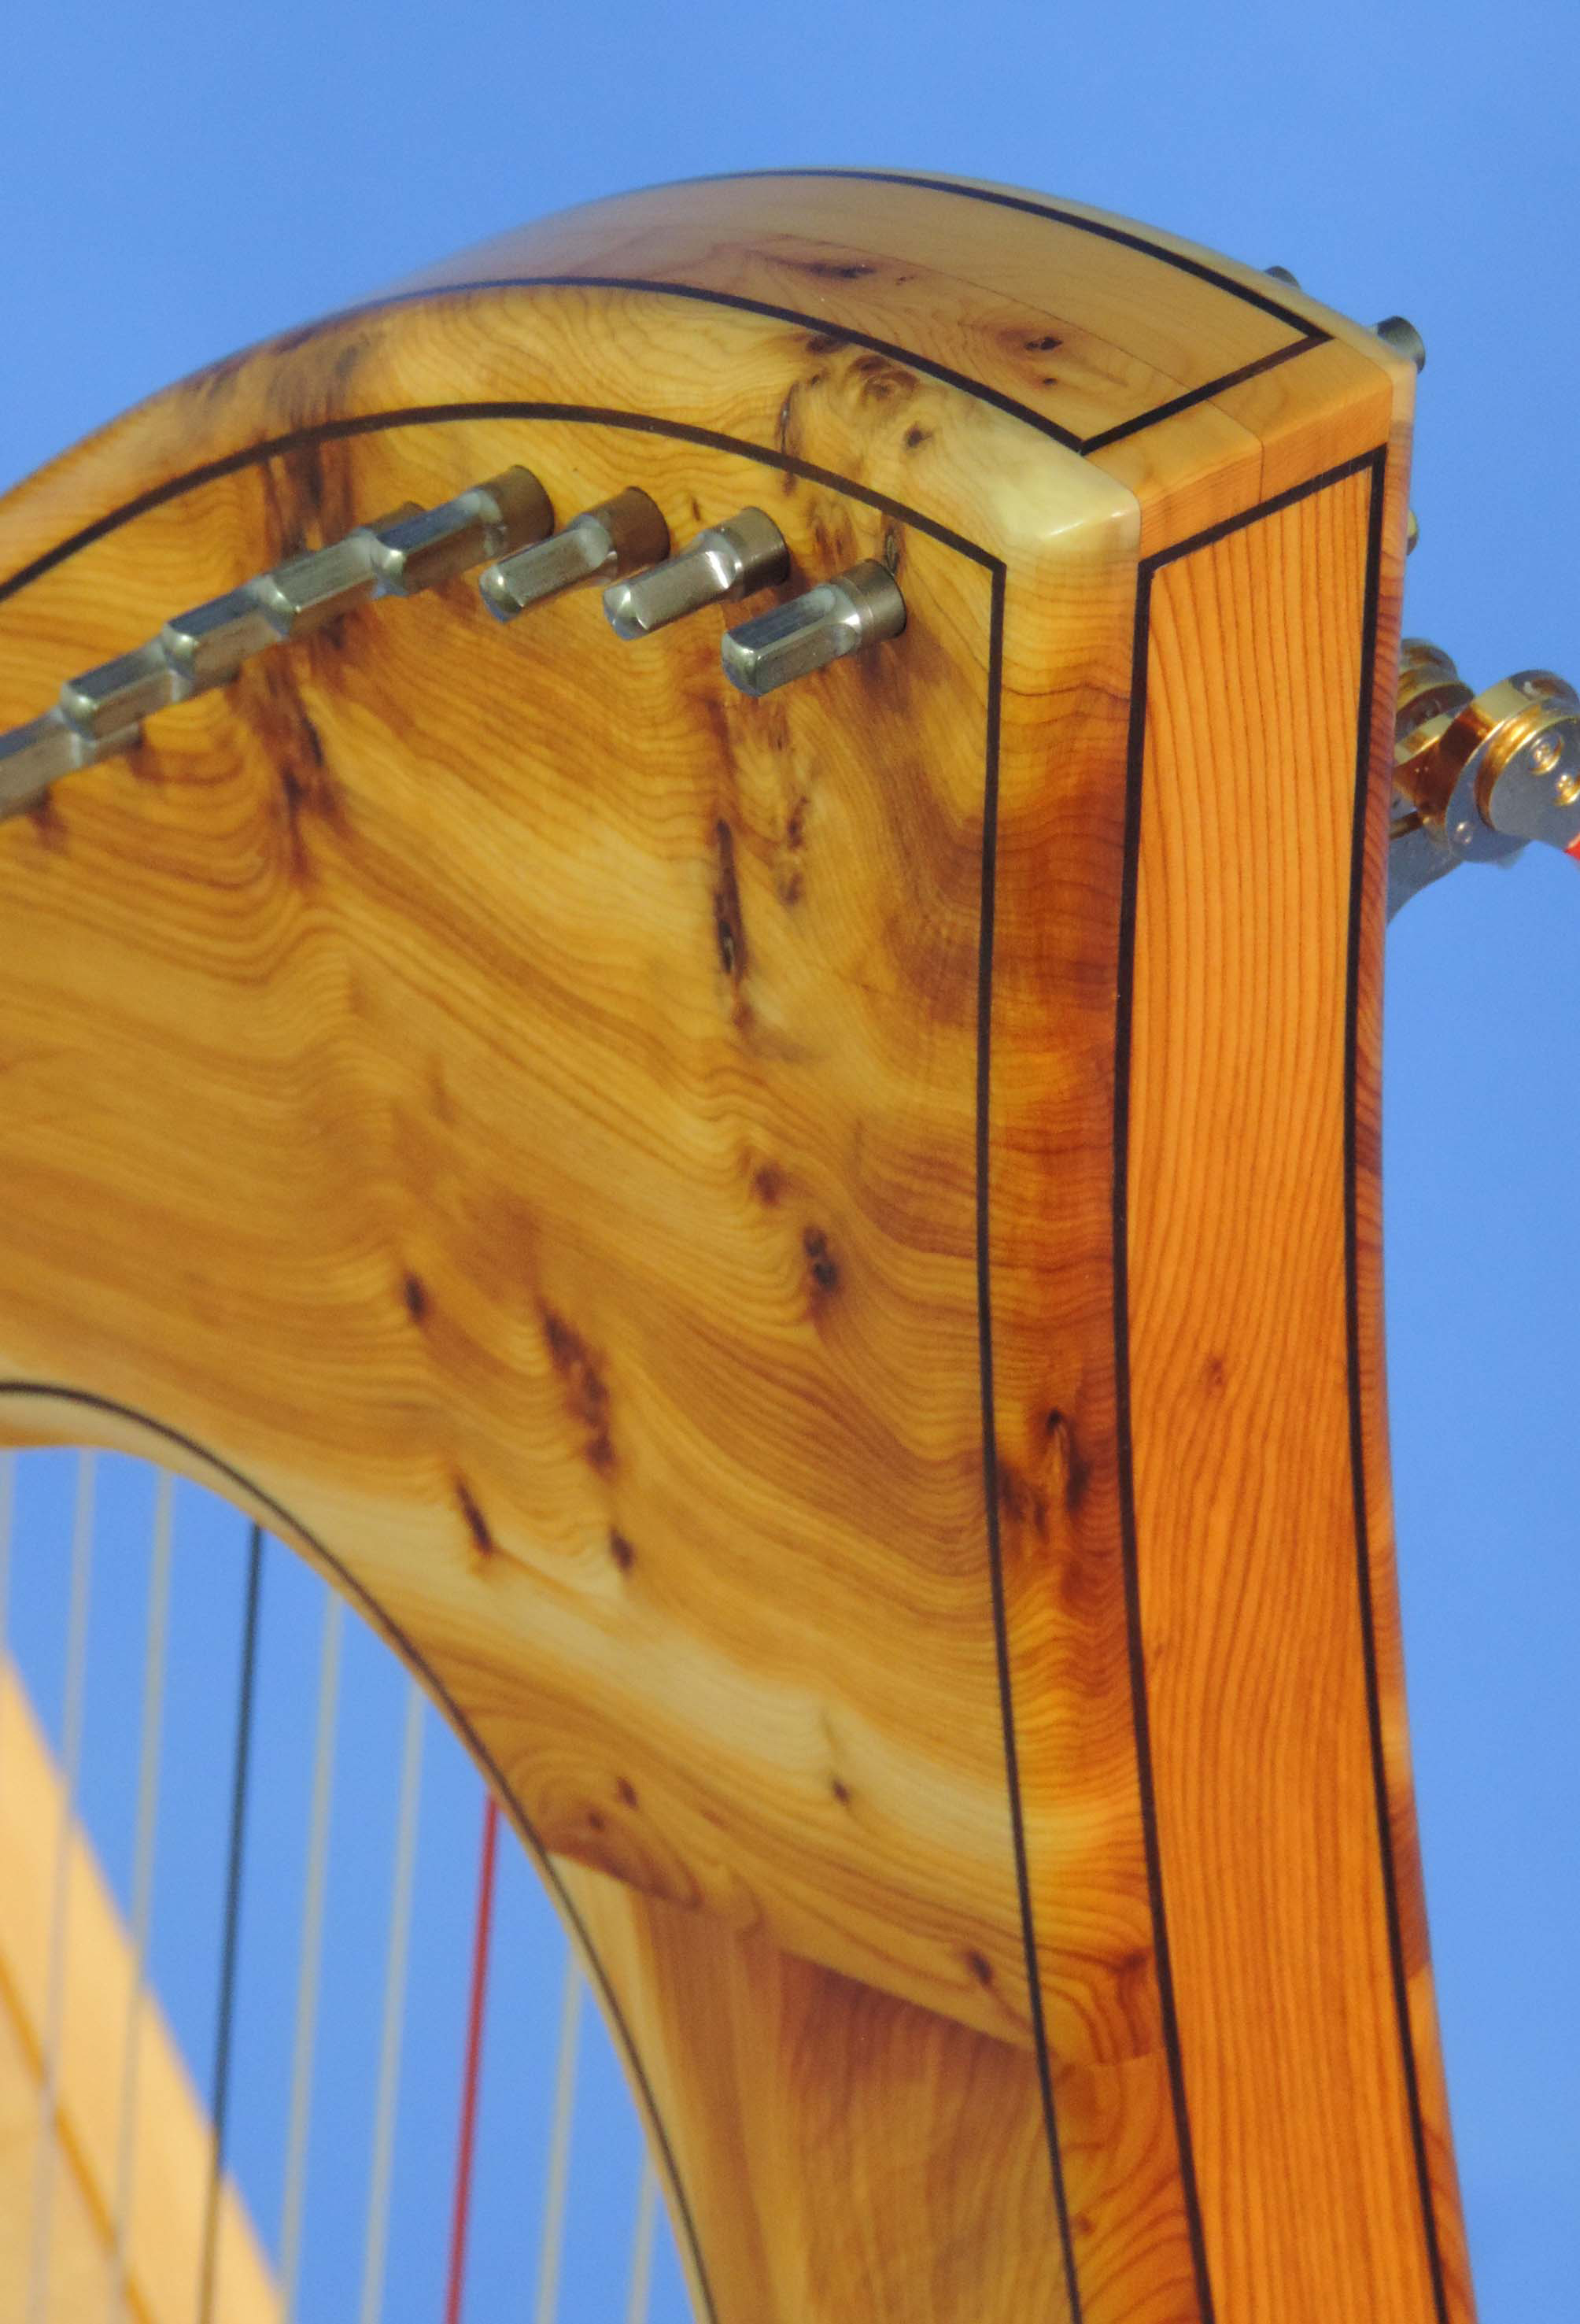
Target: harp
781 1188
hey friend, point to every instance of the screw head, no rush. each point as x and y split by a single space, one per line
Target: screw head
1543 753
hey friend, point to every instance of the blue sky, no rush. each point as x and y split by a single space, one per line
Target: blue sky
173 187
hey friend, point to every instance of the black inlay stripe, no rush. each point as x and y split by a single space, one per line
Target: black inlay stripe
230 1944
1135 761
1357 911
1309 334
851 335
640 424
990 1440
1195 395
1374 465
1135 767
427 415
1035 205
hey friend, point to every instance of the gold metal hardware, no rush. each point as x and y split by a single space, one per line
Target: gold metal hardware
1477 777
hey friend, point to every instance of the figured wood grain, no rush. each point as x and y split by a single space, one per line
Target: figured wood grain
865 2117
1243 1490
625 1178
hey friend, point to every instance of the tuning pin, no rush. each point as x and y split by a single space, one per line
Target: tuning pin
32 757
1404 338
111 701
205 646
509 513
616 537
858 608
309 591
727 560
208 644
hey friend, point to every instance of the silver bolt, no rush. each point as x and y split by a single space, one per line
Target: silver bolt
309 592
419 552
209 645
617 536
855 610
1404 338
120 694
32 757
1543 753
727 560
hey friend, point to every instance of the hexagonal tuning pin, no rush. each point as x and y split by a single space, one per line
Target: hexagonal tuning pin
206 645
855 610
308 591
418 551
101 712
32 757
617 536
110 702
726 561
1404 338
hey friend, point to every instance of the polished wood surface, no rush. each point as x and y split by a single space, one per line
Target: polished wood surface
812 1263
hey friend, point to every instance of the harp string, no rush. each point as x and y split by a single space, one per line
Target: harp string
274 2101
472 2069
235 1855
152 1724
60 1903
639 2299
7 1536
376 2244
309 1960
560 2146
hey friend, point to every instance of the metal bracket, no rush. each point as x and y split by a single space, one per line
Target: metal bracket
1478 778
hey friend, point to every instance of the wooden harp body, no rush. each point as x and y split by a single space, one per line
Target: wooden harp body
812 1263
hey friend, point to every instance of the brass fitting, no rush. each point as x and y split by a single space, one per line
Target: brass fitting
1477 777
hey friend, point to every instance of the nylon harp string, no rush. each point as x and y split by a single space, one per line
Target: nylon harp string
377 2232
230 1944
309 1958
151 1729
46 2158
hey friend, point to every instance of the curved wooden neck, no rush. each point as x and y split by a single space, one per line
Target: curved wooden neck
813 1263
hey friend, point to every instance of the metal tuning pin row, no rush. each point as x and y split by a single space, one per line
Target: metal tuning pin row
727 561
100 714
858 608
614 538
624 543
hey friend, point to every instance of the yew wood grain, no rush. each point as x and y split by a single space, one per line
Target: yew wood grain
1240 1397
625 1178
892 2149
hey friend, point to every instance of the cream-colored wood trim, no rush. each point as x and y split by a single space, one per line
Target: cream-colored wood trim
172 2139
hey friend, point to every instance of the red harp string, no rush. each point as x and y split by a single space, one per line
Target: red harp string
466 2138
